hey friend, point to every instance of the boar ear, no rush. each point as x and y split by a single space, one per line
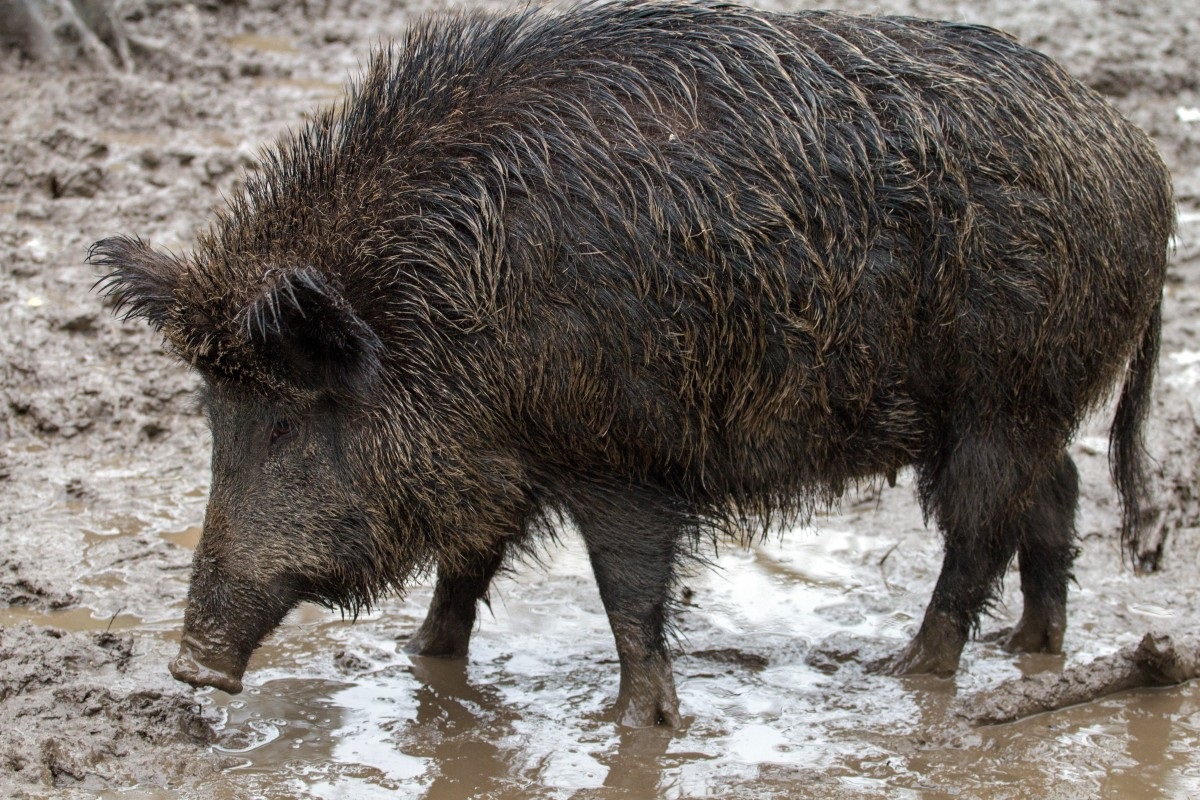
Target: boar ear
139 280
305 324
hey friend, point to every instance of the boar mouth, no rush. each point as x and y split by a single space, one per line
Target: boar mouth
198 666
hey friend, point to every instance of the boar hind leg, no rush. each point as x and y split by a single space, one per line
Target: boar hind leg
631 539
446 632
976 494
1045 554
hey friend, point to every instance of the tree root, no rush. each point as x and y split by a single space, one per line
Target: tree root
1156 661
66 30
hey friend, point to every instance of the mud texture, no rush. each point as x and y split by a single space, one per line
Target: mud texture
77 717
104 474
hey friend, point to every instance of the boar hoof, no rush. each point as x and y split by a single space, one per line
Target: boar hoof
1039 631
432 642
648 699
647 712
188 668
935 649
919 658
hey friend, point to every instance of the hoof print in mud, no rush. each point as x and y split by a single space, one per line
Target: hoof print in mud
664 268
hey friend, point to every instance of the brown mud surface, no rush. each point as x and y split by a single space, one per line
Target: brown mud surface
104 474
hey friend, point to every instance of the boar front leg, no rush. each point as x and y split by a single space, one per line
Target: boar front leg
631 539
446 631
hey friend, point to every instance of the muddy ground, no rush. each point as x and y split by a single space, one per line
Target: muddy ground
103 478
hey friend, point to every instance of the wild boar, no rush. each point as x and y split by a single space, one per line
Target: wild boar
671 270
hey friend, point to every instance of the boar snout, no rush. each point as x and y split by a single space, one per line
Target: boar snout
197 666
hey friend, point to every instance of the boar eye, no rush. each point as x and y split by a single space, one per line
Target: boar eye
282 429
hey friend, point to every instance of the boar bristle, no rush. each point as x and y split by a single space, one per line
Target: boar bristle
303 321
683 267
140 282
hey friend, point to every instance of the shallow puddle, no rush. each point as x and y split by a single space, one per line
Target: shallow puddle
318 88
775 701
270 44
68 619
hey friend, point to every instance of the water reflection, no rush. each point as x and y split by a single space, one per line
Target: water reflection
458 726
1158 748
638 766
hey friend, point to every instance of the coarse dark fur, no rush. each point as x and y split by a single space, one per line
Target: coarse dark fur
671 268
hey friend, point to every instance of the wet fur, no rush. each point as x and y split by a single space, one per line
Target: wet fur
727 261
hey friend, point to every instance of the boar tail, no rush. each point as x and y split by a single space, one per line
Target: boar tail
1126 442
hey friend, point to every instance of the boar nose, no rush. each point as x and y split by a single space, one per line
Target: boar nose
190 667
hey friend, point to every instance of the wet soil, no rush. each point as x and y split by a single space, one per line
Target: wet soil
108 722
103 479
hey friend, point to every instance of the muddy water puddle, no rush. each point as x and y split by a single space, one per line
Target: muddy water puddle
69 619
775 699
270 44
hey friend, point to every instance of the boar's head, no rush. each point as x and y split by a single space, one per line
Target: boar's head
301 448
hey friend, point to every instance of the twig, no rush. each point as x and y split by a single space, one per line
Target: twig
113 618
1156 661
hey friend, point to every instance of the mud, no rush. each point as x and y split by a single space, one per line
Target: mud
103 479
78 714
